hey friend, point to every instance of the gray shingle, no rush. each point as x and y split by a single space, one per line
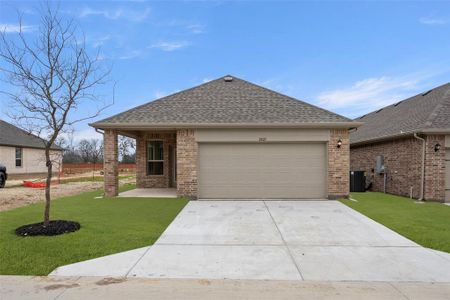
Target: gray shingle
429 110
221 102
11 135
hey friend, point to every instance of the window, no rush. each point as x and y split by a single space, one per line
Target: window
155 157
18 157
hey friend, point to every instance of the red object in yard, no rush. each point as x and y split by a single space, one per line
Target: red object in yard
34 185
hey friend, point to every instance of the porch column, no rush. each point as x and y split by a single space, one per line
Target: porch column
110 163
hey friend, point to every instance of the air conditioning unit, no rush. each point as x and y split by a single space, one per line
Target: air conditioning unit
379 168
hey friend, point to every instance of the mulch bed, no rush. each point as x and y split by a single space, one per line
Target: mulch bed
55 227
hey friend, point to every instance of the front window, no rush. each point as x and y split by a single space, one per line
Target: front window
155 158
18 157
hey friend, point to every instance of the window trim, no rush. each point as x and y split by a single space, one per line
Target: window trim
21 157
155 160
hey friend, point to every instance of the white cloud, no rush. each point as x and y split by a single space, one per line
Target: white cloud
117 13
169 46
368 94
206 80
131 54
433 21
196 28
99 41
79 134
15 28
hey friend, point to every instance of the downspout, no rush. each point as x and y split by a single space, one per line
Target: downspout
423 166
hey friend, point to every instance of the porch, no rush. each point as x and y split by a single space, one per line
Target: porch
163 162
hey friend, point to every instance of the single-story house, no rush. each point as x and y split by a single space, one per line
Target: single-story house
23 153
232 139
411 141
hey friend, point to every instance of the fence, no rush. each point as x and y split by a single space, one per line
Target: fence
77 168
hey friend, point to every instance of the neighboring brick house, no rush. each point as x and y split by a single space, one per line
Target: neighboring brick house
23 153
413 136
231 139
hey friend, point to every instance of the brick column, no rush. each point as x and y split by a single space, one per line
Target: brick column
187 151
434 169
338 164
111 165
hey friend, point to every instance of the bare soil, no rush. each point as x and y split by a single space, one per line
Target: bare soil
18 196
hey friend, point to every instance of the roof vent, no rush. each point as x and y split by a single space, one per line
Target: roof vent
427 92
228 79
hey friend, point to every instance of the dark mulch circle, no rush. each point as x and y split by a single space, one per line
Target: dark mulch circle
54 228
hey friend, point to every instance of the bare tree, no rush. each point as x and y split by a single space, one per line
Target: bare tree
91 151
53 75
126 147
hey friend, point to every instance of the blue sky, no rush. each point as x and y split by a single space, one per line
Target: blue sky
348 57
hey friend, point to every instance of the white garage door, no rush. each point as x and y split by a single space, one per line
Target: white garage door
262 171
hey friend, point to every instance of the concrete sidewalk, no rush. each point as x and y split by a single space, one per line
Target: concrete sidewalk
27 287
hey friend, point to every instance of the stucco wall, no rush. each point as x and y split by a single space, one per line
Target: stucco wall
33 160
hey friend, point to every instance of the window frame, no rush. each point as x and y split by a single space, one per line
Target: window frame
154 160
18 150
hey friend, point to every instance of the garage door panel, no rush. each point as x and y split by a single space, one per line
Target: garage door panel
262 170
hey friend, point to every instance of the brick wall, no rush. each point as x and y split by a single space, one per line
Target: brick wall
110 156
338 164
187 151
402 159
153 181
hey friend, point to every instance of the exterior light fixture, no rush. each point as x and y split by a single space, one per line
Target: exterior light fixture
339 143
437 147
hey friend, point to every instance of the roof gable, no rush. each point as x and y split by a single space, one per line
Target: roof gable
11 135
224 102
425 111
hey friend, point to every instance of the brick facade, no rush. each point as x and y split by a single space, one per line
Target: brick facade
187 152
143 180
187 157
338 164
435 168
111 165
403 164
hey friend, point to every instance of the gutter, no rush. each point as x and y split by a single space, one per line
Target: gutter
142 126
99 131
423 166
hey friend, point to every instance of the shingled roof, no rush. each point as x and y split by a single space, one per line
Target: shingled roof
425 112
11 135
225 101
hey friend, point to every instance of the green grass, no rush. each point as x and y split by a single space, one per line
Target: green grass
107 226
427 224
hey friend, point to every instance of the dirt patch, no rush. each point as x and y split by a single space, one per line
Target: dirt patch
110 280
13 197
60 286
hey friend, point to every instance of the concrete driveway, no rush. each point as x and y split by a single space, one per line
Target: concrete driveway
278 240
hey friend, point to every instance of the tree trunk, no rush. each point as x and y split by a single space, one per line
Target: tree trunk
49 165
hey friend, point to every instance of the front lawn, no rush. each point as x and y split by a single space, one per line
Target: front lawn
428 224
107 226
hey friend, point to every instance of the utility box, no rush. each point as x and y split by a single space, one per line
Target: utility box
357 181
379 168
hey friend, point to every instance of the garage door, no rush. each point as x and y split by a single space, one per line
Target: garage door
262 171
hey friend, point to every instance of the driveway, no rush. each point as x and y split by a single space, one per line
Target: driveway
278 240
